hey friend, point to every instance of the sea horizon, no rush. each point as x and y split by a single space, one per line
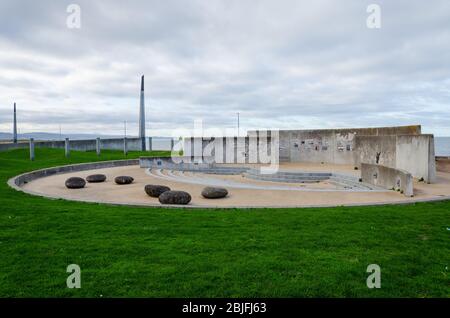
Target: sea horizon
442 146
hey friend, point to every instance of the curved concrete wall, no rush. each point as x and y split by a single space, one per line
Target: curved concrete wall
331 145
33 175
169 163
387 146
336 146
413 153
388 178
229 149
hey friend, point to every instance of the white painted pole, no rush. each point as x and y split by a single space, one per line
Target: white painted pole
125 146
31 149
67 147
97 147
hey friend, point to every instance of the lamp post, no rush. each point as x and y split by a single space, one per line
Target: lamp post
238 124
125 146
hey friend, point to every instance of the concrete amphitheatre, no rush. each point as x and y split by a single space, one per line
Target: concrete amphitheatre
285 168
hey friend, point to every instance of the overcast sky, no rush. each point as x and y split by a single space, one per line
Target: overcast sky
281 64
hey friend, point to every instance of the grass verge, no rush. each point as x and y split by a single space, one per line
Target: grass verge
157 252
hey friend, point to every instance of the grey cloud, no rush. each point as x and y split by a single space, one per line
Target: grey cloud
283 64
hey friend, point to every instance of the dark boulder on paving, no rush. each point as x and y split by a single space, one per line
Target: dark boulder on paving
75 183
155 190
124 179
94 178
175 197
214 193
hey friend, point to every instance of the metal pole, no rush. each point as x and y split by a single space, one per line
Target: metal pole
142 116
15 126
150 146
238 123
125 146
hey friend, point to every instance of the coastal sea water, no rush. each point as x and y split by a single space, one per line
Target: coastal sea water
442 146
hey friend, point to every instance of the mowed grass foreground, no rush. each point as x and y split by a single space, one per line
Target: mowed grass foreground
157 252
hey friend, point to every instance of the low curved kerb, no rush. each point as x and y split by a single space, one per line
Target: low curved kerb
17 181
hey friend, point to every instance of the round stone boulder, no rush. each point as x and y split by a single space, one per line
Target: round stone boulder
95 178
175 197
155 190
214 193
123 179
75 183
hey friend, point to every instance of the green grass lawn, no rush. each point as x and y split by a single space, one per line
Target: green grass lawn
157 252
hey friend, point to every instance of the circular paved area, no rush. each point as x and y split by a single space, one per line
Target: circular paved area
243 192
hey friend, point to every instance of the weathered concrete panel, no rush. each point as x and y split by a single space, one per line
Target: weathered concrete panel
285 146
330 145
386 146
388 178
380 150
415 153
230 149
311 146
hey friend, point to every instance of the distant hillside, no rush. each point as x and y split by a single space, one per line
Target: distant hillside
52 136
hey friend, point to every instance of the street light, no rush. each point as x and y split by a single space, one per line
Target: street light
238 124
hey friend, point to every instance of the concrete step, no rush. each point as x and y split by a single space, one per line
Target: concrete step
288 174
